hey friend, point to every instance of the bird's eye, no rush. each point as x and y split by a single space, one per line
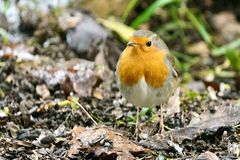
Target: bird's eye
149 43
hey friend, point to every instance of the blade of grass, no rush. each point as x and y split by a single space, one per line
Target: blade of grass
147 13
121 29
84 110
234 58
174 26
174 13
3 36
199 26
223 49
6 6
131 5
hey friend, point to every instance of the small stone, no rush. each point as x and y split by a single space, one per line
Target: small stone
48 139
116 103
143 135
234 149
117 112
207 156
122 101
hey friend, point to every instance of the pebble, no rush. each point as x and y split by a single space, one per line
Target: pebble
48 139
116 103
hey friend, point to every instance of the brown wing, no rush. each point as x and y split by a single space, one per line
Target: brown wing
172 59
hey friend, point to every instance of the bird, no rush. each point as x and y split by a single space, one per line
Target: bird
145 72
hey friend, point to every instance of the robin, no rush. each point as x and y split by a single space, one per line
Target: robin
145 72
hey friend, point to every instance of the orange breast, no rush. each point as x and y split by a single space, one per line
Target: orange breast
134 65
130 70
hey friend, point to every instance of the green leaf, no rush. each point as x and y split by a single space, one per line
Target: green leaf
199 26
6 6
3 33
223 49
131 5
147 13
2 94
119 28
145 110
234 58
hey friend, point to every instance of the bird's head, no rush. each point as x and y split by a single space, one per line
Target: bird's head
144 41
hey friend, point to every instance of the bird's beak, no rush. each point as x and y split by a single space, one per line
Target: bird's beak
131 43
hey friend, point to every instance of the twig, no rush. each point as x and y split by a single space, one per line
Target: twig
85 111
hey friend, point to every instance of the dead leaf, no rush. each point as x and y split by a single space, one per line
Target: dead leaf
212 93
20 51
213 84
199 48
173 105
78 74
105 8
13 128
24 144
67 86
4 112
42 90
103 142
227 25
97 94
225 116
234 149
45 106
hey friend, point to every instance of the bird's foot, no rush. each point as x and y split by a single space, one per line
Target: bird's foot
161 128
136 132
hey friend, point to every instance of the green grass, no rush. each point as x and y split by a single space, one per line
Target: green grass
225 48
131 5
198 25
148 12
234 58
3 34
6 6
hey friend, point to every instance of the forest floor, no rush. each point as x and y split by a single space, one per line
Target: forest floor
60 100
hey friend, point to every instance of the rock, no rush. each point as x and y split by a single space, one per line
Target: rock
207 156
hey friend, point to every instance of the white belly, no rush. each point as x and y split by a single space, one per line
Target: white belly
144 95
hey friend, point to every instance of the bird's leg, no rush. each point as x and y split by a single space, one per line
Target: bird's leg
137 124
161 124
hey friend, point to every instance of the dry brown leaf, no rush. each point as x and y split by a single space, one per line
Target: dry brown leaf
78 75
173 105
20 51
199 48
103 142
42 90
97 94
227 25
24 144
225 116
